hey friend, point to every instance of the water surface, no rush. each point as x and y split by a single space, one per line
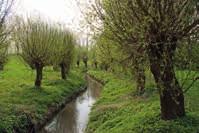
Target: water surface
74 117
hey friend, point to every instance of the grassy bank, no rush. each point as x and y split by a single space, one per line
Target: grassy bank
21 104
119 110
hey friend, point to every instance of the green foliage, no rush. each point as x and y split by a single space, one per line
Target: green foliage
42 44
187 56
119 110
35 40
82 55
64 53
4 30
148 27
109 54
21 104
65 44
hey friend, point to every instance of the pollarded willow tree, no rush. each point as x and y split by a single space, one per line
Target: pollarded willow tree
133 57
3 55
96 17
5 9
82 54
157 27
35 40
64 52
107 53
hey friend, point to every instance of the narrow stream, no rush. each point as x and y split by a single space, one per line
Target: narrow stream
74 117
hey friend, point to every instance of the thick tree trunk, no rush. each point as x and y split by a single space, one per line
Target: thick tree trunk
63 71
172 103
171 94
78 62
85 63
140 79
95 65
139 74
38 79
85 60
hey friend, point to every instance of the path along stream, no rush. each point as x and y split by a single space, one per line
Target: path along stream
74 117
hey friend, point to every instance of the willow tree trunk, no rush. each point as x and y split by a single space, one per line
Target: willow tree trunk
38 79
63 71
171 94
140 78
78 62
95 65
86 64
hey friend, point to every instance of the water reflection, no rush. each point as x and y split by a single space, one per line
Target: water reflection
74 117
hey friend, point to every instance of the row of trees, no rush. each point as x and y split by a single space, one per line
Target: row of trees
82 55
112 57
39 43
42 44
150 32
5 10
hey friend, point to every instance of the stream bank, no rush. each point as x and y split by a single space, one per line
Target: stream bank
54 110
120 110
22 106
73 118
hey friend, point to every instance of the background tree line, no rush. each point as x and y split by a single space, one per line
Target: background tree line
147 34
42 44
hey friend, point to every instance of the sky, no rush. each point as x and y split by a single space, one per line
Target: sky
65 12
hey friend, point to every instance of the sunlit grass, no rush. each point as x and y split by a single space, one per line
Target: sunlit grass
119 110
20 101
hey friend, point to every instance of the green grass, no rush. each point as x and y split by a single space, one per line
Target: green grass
119 110
21 103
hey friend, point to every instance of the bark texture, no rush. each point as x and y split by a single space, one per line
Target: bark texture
171 94
63 71
140 79
39 76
